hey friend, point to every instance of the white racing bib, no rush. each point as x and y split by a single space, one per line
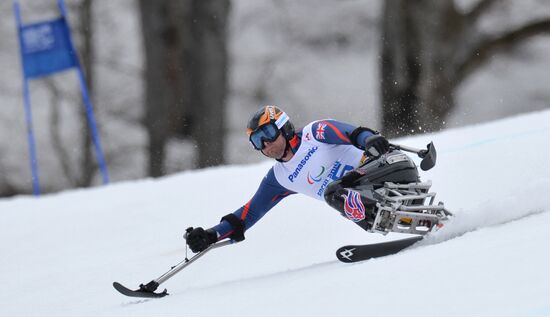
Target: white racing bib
316 164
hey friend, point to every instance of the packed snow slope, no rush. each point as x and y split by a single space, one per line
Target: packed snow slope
60 253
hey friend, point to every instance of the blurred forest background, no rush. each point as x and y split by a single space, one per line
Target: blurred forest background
174 82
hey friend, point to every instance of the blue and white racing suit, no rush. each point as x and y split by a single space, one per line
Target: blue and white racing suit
323 153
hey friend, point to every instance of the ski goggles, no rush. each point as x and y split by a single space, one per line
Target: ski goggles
268 132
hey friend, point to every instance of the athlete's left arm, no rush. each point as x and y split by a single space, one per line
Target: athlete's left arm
336 132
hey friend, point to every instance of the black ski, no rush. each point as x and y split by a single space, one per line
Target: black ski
141 292
356 253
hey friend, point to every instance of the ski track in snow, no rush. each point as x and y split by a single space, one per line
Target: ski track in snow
464 224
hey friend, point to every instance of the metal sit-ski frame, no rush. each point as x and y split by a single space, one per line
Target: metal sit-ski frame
408 208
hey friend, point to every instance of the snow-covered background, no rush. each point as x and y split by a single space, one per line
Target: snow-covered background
61 253
315 58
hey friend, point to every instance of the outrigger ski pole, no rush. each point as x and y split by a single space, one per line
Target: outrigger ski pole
428 156
148 290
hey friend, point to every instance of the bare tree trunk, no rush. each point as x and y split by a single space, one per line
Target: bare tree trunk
417 44
207 62
82 175
428 49
162 23
186 76
55 131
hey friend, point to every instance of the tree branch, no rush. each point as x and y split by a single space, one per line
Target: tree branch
477 11
489 48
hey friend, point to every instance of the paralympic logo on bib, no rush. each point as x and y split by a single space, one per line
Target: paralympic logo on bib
315 179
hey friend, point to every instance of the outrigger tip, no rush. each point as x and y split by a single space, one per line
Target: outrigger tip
142 292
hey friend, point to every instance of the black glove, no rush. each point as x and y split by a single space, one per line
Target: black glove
379 143
199 239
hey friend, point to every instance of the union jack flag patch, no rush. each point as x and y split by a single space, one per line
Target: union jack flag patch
320 132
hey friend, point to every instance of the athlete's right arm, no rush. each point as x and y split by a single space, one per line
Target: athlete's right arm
269 194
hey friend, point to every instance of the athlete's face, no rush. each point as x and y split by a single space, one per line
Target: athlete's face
275 149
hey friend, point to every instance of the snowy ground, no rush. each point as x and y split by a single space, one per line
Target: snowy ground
61 253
